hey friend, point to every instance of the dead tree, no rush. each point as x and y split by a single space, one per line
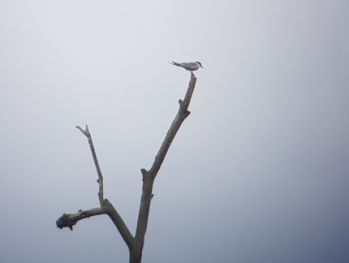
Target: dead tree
135 242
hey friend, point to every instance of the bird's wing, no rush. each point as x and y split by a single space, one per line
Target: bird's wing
190 65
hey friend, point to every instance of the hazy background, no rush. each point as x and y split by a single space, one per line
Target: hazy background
259 172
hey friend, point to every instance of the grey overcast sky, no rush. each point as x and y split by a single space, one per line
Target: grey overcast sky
259 172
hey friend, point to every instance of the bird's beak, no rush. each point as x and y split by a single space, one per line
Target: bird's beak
201 66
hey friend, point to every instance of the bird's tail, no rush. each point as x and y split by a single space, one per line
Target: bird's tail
175 63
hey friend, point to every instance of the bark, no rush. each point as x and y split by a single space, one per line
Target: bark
136 243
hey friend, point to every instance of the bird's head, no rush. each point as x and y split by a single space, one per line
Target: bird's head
199 63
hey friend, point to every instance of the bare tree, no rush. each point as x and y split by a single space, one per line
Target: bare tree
134 243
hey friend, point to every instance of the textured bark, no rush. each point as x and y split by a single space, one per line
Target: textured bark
136 243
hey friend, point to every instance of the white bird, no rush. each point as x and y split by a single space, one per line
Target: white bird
190 66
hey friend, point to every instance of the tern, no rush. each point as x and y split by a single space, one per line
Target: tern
190 66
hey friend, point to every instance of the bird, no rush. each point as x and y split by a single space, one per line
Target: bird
190 66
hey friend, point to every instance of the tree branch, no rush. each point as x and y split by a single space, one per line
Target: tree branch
149 176
87 133
68 220
182 114
119 223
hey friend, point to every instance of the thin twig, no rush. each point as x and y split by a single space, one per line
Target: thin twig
87 133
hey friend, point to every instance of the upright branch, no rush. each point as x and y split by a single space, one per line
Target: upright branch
136 243
149 176
182 114
87 133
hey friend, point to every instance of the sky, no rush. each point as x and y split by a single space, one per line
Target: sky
258 173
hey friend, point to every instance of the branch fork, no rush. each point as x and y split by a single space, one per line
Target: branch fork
134 243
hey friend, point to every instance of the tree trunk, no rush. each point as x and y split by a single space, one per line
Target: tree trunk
136 255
